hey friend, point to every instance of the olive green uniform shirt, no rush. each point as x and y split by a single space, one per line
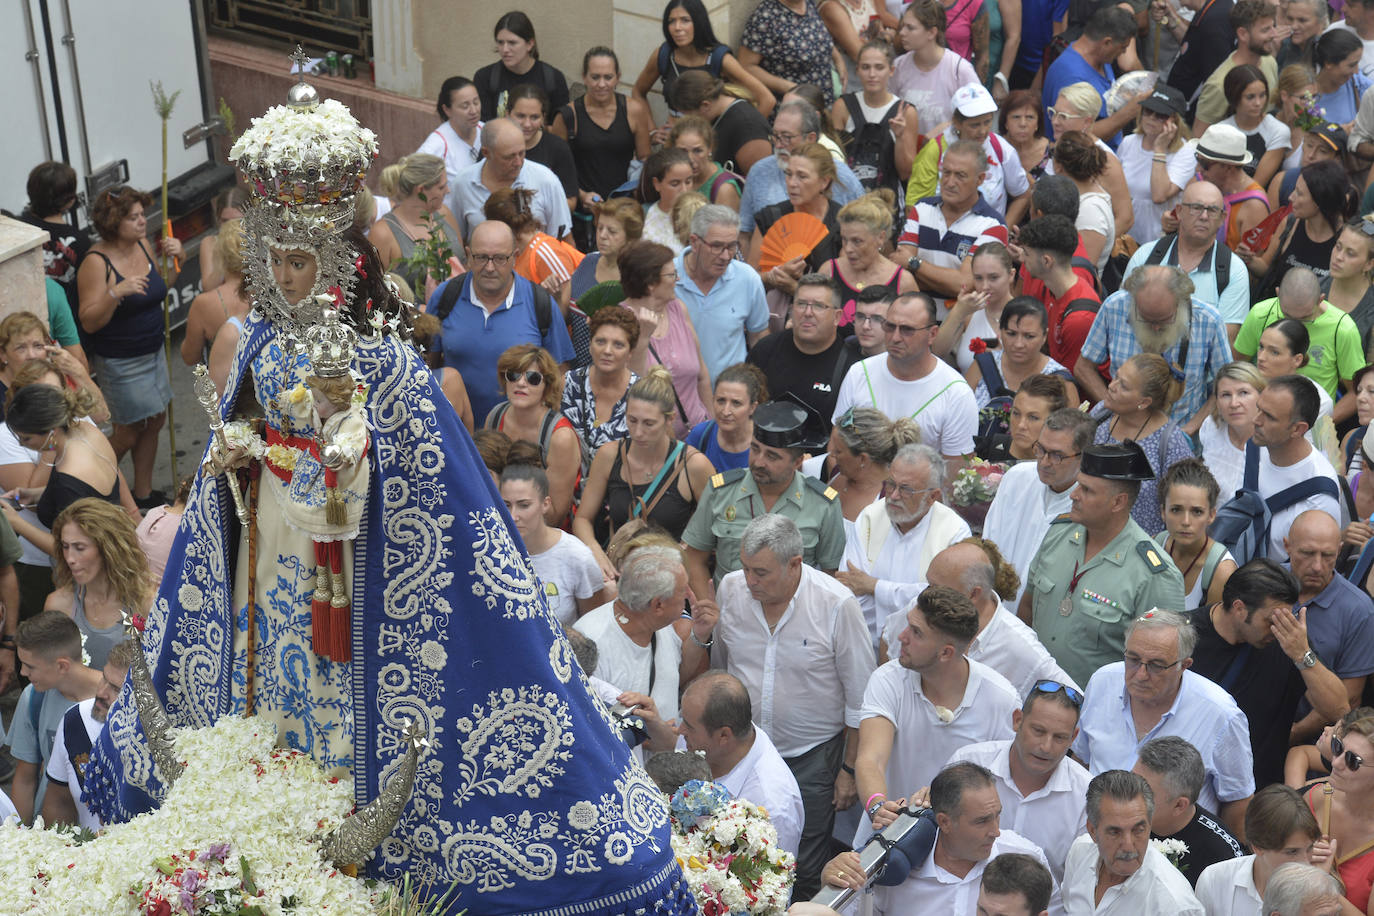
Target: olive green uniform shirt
733 500
1122 581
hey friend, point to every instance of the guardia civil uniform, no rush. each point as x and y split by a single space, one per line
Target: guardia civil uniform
732 499
1081 608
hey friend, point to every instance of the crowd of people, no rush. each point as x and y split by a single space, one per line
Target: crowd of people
734 369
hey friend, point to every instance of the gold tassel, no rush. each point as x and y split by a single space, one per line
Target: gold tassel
334 507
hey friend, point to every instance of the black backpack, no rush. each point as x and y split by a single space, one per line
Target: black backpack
1221 265
1243 522
871 152
543 304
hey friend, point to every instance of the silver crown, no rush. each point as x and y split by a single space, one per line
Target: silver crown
329 345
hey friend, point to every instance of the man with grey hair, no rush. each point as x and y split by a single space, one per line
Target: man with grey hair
1112 870
717 721
1335 353
794 123
504 165
1004 643
1033 494
895 538
796 639
1299 889
723 295
1151 694
1176 774
638 649
1155 311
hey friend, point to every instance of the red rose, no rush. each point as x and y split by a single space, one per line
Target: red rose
978 345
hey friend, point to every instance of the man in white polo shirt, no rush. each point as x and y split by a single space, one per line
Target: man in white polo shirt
926 704
910 381
716 719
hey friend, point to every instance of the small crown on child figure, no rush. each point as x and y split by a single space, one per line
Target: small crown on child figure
330 344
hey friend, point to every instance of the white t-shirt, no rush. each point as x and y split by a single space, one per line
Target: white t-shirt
1224 459
456 152
1095 214
1138 164
1275 133
978 326
61 768
633 667
930 92
941 402
1273 479
568 571
11 452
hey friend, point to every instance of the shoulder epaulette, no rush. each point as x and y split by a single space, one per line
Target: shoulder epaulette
1060 519
1149 552
821 487
725 478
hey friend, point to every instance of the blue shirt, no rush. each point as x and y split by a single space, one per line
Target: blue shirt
1037 28
1070 68
1342 105
1231 303
766 186
472 340
468 195
735 306
1209 349
703 438
1203 714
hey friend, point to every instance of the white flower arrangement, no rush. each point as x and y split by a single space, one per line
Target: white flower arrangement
239 833
281 138
240 436
729 854
1172 849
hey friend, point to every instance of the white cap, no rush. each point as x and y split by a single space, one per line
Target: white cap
972 101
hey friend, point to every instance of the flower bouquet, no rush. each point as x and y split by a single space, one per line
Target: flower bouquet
1309 115
239 833
972 490
729 852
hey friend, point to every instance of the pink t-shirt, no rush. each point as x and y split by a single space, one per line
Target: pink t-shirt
959 30
677 351
930 91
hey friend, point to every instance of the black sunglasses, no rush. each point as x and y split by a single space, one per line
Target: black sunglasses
1048 686
532 376
1353 761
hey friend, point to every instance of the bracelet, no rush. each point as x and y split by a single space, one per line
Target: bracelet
705 645
112 294
7 642
868 805
847 768
1160 158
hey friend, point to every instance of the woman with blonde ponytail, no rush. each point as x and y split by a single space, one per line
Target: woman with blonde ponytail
646 476
50 421
417 186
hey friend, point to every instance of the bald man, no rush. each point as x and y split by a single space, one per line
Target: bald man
504 166
1219 276
492 310
1004 643
1340 617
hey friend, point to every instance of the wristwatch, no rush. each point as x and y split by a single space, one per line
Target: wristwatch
914 264
1308 660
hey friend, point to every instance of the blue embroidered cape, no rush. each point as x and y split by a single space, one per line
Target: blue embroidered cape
527 798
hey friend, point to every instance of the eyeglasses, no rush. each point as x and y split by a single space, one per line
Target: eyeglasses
1056 115
861 318
892 487
778 137
720 248
1052 687
1366 225
1134 662
495 260
846 420
532 376
1353 761
806 305
1052 457
1209 210
906 330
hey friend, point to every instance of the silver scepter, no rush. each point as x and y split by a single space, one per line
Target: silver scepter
873 858
209 399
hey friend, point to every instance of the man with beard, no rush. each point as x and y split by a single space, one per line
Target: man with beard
1219 276
783 432
1156 312
896 538
1097 568
1256 41
72 746
1113 870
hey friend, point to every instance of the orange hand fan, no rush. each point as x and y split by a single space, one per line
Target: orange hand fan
792 236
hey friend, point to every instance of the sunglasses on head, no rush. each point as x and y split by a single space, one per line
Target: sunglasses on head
1353 761
532 376
1048 686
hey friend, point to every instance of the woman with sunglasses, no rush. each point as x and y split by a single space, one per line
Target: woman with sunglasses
863 443
1137 407
647 475
533 386
1189 495
1342 805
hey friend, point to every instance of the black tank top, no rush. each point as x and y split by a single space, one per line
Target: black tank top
1301 251
136 327
602 154
671 513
